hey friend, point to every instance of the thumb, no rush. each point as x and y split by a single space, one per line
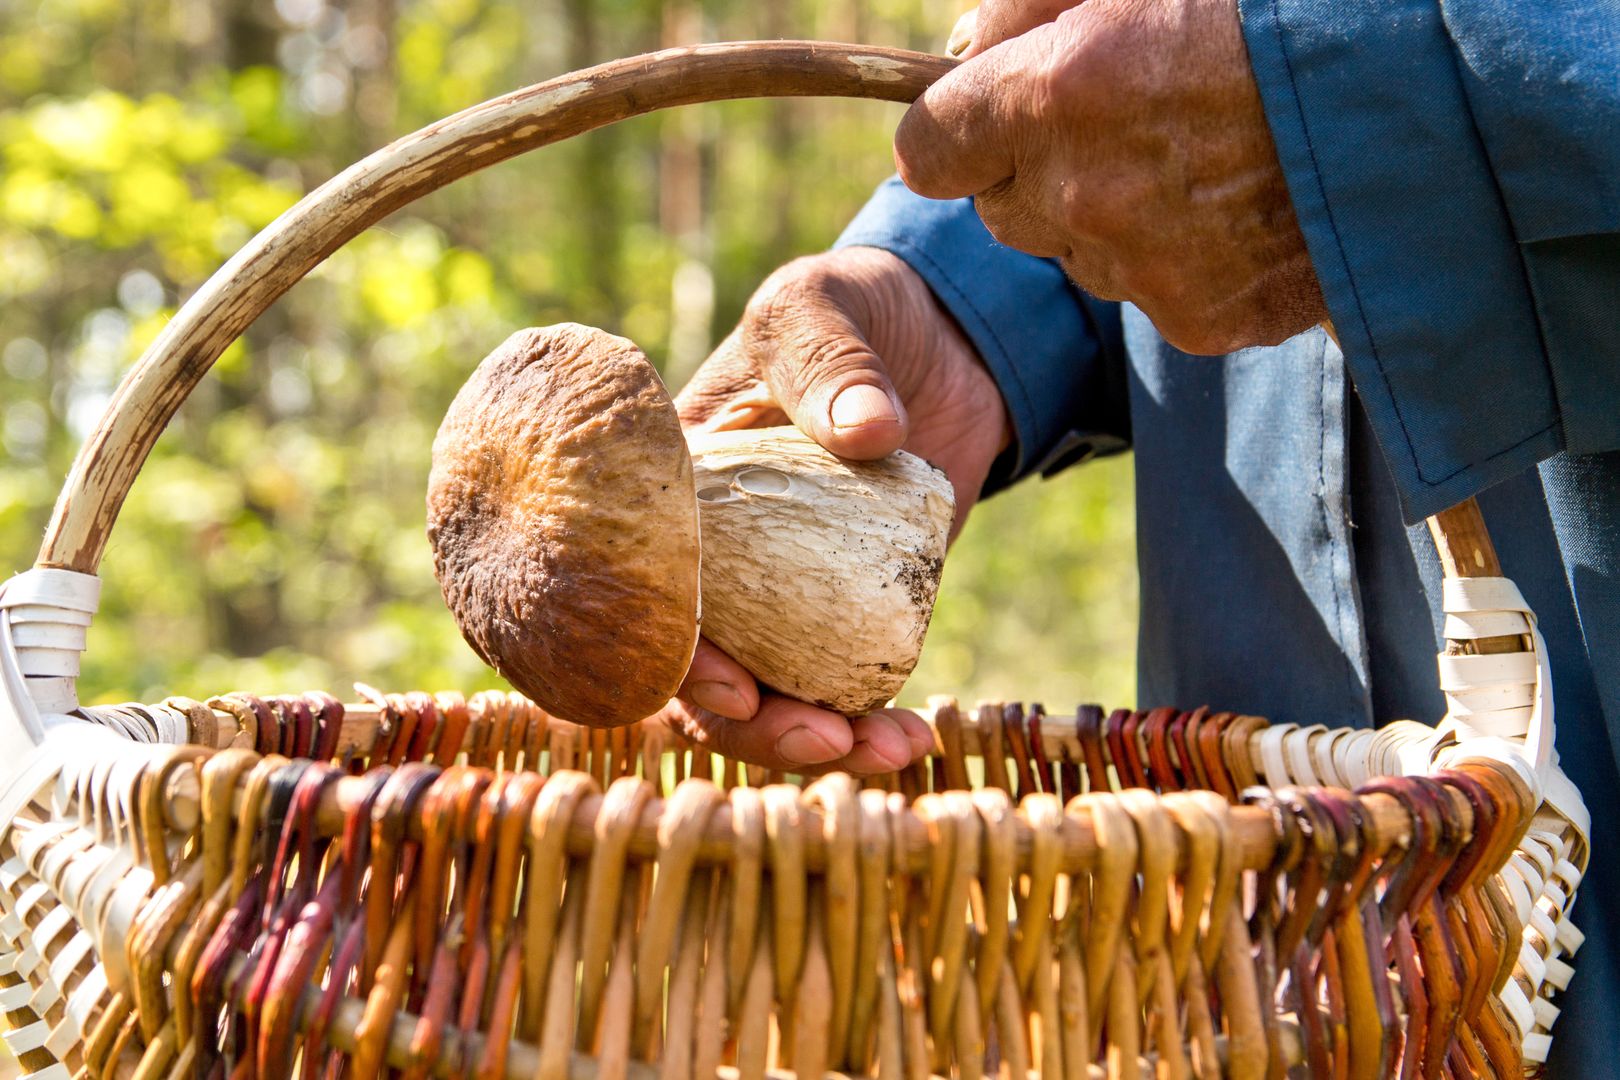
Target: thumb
961 136
824 374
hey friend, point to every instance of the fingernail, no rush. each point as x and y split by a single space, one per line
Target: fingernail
857 406
718 697
962 33
801 746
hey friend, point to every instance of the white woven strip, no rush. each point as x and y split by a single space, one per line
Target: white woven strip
36 643
1570 937
50 608
1562 797
1568 873
1323 755
28 1038
1272 762
81 1006
77 948
1543 924
1462 595
43 635
1543 848
1536 1047
1546 1013
1527 869
1297 751
1514 723
54 695
1518 1008
1471 702
17 921
1531 966
50 1072
1518 894
1463 673
1351 758
48 613
1485 624
122 906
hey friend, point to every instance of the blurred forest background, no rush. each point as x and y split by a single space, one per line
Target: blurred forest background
275 539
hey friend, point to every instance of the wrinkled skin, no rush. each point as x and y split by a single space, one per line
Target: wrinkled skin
852 347
1127 139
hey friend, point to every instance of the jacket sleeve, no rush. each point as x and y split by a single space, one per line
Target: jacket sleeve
1456 171
1056 354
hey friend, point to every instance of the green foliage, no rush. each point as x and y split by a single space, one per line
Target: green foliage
274 541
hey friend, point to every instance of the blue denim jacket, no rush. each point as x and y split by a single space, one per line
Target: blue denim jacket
1278 573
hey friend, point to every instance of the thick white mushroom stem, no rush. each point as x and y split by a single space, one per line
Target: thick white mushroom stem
818 574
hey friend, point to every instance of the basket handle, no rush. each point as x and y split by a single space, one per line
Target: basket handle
420 163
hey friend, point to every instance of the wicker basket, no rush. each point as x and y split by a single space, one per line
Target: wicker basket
435 886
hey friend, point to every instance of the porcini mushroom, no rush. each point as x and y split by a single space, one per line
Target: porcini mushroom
569 518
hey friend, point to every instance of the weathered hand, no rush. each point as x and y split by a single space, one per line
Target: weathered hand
1126 138
853 348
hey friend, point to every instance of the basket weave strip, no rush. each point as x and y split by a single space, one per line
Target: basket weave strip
560 927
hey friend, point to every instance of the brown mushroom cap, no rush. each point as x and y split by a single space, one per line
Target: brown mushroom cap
564 524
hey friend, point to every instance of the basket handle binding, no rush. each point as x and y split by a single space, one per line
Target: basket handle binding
60 593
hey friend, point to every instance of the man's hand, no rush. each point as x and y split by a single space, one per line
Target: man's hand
1127 139
852 347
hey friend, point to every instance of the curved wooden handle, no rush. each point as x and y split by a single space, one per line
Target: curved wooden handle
365 193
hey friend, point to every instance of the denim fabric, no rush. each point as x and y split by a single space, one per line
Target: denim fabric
1277 573
1456 172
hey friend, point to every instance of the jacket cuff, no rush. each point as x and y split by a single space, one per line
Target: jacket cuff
1055 354
1414 250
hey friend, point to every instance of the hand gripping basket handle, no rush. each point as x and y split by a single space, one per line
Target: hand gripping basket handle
290 247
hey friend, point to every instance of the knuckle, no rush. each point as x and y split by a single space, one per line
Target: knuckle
825 364
1093 271
708 731
1018 221
1188 324
784 292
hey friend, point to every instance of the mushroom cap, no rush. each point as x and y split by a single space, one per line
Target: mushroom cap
564 524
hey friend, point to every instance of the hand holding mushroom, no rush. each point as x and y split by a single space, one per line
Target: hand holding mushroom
564 516
852 347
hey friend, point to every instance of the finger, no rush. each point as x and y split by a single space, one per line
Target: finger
1001 20
719 684
726 393
882 744
820 368
1017 215
783 734
918 733
963 33
968 131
